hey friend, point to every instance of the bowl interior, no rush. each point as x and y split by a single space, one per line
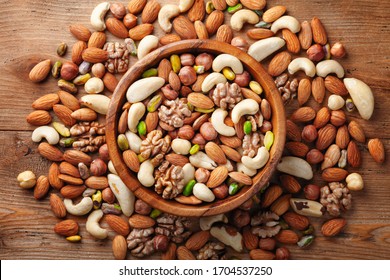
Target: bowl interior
148 194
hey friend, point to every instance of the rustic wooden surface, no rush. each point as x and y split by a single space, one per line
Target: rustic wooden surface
31 30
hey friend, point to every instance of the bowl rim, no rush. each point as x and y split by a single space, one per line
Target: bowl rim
148 194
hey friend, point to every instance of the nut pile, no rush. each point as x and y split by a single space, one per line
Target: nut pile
167 117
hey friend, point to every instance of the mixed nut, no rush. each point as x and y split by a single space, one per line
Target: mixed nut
196 128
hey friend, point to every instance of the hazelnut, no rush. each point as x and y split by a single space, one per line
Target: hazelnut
142 208
186 132
98 70
314 156
205 60
221 191
130 21
185 91
267 126
27 179
309 133
315 52
267 244
118 10
243 79
187 75
202 175
108 196
240 43
198 139
160 243
173 134
282 253
241 218
338 50
169 93
247 205
208 131
103 153
338 118
69 71
312 192
187 59
98 167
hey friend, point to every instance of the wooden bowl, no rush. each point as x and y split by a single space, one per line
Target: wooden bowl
148 194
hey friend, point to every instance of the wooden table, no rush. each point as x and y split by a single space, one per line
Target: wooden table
30 32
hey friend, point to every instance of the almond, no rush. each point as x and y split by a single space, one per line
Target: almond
293 132
84 114
241 178
303 114
215 153
174 81
292 41
356 132
319 32
326 136
97 40
239 127
232 141
335 86
259 254
197 11
131 160
57 206
231 153
176 159
318 89
296 221
214 21
110 81
136 6
259 33
119 247
54 181
287 236
251 241
201 30
270 195
75 157
183 253
198 240
150 11
342 137
77 51
117 28
224 33
94 55
151 121
184 27
334 174
254 4
305 35
298 149
279 63
304 91
281 205
118 224
338 118
97 182
200 100
41 187
331 157
290 184
50 152
66 228
333 227
122 123
274 13
138 32
140 221
70 179
64 114
80 32
322 117
217 176
354 157
164 68
39 118
170 254
69 100
219 4
377 150
169 38
249 94
46 102
72 191
69 169
40 71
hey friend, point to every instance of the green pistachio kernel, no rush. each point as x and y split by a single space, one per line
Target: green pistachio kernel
209 7
190 107
82 79
74 238
256 87
194 149
263 24
97 200
175 63
152 72
62 48
140 158
259 13
247 127
154 103
305 241
61 129
117 207
123 143
283 224
141 127
309 230
233 188
67 86
56 70
204 111
228 73
349 105
188 188
199 69
269 139
66 142
233 9
155 213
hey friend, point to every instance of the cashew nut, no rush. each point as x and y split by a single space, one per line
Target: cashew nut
205 223
111 168
228 165
97 102
136 112
307 207
217 120
228 237
295 166
185 5
354 182
361 95
335 102
211 80
227 60
50 134
200 159
145 174
302 63
189 172
181 146
82 208
146 45
326 67
258 161
134 141
166 13
143 88
122 193
202 192
265 47
98 14
241 17
92 225
246 170
244 107
288 22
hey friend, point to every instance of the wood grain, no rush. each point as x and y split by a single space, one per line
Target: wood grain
31 31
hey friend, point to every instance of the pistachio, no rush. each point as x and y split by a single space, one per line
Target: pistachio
233 9
175 63
256 87
66 142
67 86
141 128
194 149
74 238
228 73
248 127
187 191
269 139
62 48
199 69
97 200
123 143
152 72
56 70
349 105
263 24
61 129
209 7
155 213
305 241
82 79
233 188
154 103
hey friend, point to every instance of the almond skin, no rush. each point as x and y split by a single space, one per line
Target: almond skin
214 21
333 227
150 12
274 13
198 240
140 221
215 153
201 30
354 157
305 35
75 157
377 150
231 153
46 102
319 32
176 159
39 118
318 89
293 131
110 81
138 32
50 152
224 34
259 254
71 191
270 195
64 114
151 121
169 38
116 28
183 253
287 236
251 241
119 247
40 71
170 254
69 169
281 205
97 182
356 132
326 136
136 6
118 224
197 11
97 40
66 228
84 114
77 51
232 142
79 31
241 178
54 181
94 55
131 160
217 176
292 41
200 100
334 174
57 206
322 117
296 221
290 184
342 137
70 179
279 63
254 4
304 91
41 188
303 114
259 33
69 100
184 27
335 86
